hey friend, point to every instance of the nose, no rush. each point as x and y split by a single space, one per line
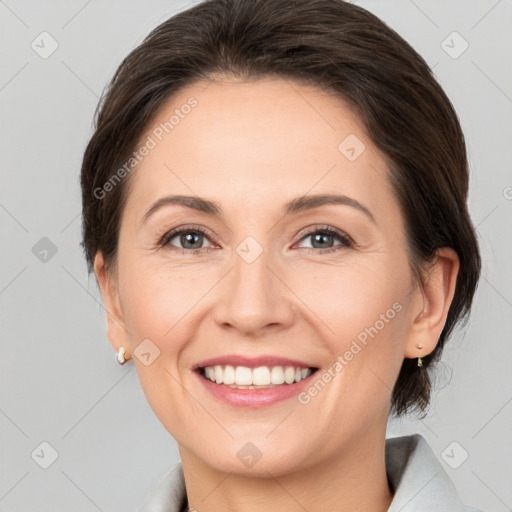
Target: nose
255 297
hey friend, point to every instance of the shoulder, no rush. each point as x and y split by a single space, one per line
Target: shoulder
418 478
168 494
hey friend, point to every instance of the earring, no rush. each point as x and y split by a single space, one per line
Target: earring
120 355
420 362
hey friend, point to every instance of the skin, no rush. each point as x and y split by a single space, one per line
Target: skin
252 146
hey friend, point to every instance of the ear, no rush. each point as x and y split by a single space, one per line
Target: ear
116 328
437 296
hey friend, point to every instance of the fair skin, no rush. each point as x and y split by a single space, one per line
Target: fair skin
251 147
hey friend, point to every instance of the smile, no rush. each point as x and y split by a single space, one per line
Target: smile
253 388
262 377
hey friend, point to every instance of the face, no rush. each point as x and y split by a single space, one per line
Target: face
263 282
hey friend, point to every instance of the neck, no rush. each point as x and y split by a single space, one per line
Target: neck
354 480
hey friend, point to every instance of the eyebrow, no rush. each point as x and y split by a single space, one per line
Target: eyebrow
294 206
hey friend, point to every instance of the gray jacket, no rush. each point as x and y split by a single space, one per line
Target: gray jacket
419 481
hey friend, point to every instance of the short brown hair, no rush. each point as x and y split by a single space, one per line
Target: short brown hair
347 51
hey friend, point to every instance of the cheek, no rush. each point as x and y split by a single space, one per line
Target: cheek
158 305
349 299
361 310
156 300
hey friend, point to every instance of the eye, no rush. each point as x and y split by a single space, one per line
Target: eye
192 239
322 239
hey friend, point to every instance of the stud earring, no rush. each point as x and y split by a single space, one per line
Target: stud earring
120 355
420 362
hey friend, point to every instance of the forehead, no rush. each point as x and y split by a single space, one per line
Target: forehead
270 139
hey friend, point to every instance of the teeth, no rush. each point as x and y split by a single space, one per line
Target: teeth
260 376
229 375
243 375
289 374
218 374
277 375
263 376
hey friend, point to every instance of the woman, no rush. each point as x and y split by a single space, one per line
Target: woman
274 206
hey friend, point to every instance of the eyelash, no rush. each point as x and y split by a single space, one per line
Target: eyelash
346 242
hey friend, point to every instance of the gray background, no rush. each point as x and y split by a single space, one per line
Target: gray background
60 383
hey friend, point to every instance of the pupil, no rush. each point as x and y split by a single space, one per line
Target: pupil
321 237
189 237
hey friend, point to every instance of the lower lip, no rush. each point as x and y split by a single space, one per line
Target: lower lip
253 397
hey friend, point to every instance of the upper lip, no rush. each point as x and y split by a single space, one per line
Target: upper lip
251 362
